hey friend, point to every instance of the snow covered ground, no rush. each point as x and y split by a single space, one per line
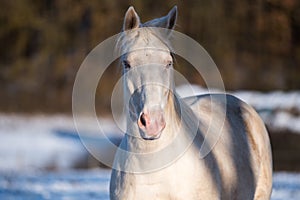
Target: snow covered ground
46 142
68 185
94 184
29 142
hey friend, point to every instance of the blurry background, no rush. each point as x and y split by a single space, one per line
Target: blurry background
255 44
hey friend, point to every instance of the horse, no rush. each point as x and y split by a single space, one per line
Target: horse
158 157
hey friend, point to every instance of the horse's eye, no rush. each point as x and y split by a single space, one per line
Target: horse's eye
170 64
126 64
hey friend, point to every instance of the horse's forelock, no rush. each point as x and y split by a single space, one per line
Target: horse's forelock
128 38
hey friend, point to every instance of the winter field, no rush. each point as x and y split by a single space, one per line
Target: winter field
93 184
40 155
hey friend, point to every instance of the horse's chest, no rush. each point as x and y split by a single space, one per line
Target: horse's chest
181 180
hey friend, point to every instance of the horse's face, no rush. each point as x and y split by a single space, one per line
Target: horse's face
148 77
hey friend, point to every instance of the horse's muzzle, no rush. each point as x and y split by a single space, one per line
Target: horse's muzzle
151 123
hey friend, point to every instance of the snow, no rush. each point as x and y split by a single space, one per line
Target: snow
94 184
279 110
37 151
285 121
85 184
270 100
44 142
286 186
29 143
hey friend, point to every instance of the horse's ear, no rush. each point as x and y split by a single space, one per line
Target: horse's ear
131 20
172 17
167 21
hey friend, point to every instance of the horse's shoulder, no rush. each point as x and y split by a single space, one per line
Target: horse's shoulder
236 109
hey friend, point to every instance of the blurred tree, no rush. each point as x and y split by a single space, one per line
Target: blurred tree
255 44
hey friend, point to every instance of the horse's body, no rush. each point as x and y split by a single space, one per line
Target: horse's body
239 166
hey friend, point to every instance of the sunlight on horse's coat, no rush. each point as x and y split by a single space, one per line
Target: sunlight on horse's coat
165 133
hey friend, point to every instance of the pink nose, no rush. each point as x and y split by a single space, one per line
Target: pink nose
152 123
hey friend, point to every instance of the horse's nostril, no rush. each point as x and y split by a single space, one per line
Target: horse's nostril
143 120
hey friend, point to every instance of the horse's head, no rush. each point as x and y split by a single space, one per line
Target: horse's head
147 65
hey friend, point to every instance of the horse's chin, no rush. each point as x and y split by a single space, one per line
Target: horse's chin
145 136
152 132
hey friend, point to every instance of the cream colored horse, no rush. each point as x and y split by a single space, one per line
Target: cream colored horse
159 157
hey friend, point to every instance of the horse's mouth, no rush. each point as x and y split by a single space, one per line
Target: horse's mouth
150 135
146 136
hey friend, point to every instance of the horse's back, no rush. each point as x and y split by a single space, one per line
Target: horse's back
242 152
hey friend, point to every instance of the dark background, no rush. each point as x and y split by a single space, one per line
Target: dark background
255 44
